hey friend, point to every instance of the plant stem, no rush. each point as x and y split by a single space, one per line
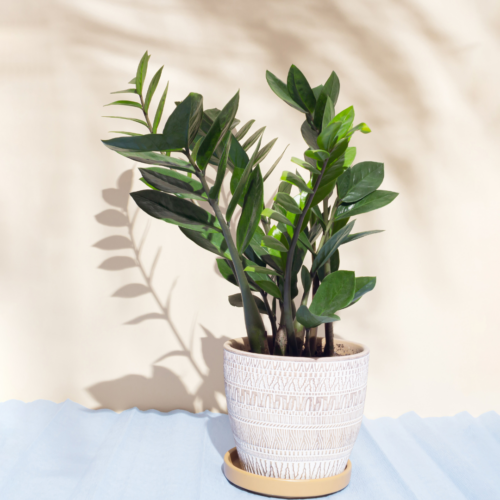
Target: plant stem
287 295
272 319
146 114
254 325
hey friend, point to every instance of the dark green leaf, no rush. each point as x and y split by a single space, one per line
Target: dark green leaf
270 287
159 110
244 130
270 171
226 271
270 242
288 203
303 240
280 89
213 242
122 132
346 117
360 180
141 73
126 91
328 137
253 139
330 90
261 270
143 143
151 89
217 131
125 103
161 160
252 209
356 236
310 320
309 135
335 293
306 165
373 201
242 185
299 89
236 300
175 210
364 285
317 154
142 122
172 182
221 169
265 151
188 113
317 91
330 246
296 181
277 216
306 280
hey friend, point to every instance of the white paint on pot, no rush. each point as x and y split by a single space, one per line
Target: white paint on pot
295 418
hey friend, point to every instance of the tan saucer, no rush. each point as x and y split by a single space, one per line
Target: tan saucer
283 488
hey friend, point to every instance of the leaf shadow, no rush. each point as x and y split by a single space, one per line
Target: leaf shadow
163 390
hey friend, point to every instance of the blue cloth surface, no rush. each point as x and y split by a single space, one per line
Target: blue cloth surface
65 451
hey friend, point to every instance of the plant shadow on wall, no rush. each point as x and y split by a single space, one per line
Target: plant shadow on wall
164 390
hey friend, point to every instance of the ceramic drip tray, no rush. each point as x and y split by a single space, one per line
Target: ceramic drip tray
283 488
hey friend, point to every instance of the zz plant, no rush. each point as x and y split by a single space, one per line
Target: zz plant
267 255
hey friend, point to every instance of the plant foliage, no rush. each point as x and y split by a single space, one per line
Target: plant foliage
310 214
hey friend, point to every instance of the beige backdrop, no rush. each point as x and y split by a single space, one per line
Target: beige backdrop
82 321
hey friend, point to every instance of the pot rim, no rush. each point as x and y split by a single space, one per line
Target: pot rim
244 342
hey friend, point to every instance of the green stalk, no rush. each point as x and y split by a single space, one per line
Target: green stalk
287 295
329 339
253 320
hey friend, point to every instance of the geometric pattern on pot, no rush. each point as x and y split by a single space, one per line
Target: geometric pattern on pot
295 418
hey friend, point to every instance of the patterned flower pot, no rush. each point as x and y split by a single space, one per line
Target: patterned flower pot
295 418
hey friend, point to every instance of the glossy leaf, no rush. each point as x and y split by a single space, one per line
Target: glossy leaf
360 180
317 154
161 160
141 72
261 270
373 201
217 131
142 122
275 164
126 91
208 240
335 292
253 139
244 130
306 165
142 143
329 91
183 123
329 135
125 103
172 182
236 300
252 209
329 113
221 169
226 271
330 246
151 89
175 210
265 150
281 90
346 117
357 236
277 216
270 242
309 320
288 203
296 181
159 110
299 89
306 280
364 285
309 135
270 287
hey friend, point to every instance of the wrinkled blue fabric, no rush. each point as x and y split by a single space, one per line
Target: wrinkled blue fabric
67 452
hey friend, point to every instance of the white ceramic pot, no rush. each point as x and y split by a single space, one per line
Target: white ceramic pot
295 418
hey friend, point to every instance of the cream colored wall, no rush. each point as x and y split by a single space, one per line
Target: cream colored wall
423 74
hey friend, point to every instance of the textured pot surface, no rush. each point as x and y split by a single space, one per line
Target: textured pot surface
295 418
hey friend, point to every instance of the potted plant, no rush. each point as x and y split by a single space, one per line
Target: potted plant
295 400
